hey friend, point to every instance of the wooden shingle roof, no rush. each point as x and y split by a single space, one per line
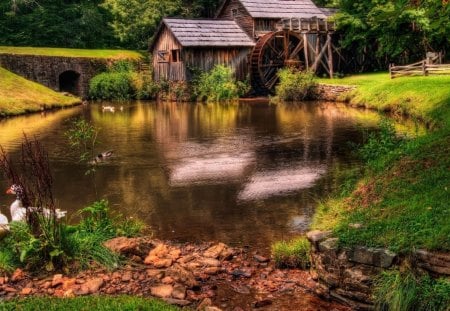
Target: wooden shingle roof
208 32
278 9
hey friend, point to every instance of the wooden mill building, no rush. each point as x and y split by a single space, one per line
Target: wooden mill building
254 37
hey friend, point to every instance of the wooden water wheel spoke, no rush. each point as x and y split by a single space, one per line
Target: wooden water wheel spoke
271 53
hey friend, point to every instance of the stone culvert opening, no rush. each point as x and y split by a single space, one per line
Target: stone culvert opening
69 81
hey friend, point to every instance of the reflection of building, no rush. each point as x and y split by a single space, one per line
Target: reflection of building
255 37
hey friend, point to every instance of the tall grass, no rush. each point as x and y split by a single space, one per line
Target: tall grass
295 85
405 291
292 254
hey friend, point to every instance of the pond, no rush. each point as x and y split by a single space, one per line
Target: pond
244 173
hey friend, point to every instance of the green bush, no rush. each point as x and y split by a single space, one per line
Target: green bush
122 82
219 84
292 254
111 85
295 85
405 291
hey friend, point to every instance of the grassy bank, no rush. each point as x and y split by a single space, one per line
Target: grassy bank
115 54
19 95
99 303
425 98
400 200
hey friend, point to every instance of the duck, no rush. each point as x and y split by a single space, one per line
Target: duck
102 156
4 225
109 108
19 212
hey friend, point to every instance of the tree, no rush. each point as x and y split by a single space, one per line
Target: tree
135 21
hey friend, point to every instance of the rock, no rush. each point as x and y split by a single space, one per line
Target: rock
68 283
210 262
149 260
18 275
204 304
378 257
127 276
329 245
179 292
174 254
214 251
177 302
241 273
212 270
26 291
122 245
261 259
241 289
161 250
155 273
161 291
181 274
9 289
92 286
317 236
212 308
57 280
262 303
69 294
163 263
167 280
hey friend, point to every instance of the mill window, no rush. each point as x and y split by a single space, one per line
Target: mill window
176 56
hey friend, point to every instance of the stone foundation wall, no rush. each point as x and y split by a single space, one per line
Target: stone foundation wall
330 92
46 70
347 275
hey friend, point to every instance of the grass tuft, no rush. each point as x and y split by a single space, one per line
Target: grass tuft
292 254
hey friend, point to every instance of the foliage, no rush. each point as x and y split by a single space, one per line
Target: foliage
77 23
19 95
99 303
82 136
135 21
122 82
219 84
405 291
292 254
396 31
295 85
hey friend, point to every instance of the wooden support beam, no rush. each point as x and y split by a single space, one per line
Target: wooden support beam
330 57
305 40
319 57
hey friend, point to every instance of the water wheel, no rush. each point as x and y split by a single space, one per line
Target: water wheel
272 52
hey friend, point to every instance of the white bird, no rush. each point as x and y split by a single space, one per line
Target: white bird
109 108
19 212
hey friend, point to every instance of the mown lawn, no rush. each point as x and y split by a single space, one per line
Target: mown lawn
19 95
115 54
401 199
98 303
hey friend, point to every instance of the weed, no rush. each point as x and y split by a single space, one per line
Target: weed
295 85
292 254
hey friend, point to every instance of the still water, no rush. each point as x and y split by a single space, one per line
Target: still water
244 174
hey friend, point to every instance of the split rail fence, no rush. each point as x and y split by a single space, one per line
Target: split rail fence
422 68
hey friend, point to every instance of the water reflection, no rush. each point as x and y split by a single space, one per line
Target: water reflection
239 173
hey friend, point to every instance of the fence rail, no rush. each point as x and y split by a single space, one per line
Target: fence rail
419 69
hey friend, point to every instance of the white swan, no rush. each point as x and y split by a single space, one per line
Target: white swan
19 212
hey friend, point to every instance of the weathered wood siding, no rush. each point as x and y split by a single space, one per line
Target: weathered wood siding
233 9
265 25
206 58
167 69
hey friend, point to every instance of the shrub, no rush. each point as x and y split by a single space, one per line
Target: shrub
292 254
219 84
122 82
405 291
295 85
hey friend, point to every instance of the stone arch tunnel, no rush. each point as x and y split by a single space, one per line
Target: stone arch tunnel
62 74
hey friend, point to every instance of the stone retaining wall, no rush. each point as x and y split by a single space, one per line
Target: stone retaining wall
330 92
47 70
347 274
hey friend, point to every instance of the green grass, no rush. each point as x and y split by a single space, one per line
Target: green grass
291 254
425 98
98 303
19 95
115 54
405 291
401 198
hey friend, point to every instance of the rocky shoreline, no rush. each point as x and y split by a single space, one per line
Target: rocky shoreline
210 276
